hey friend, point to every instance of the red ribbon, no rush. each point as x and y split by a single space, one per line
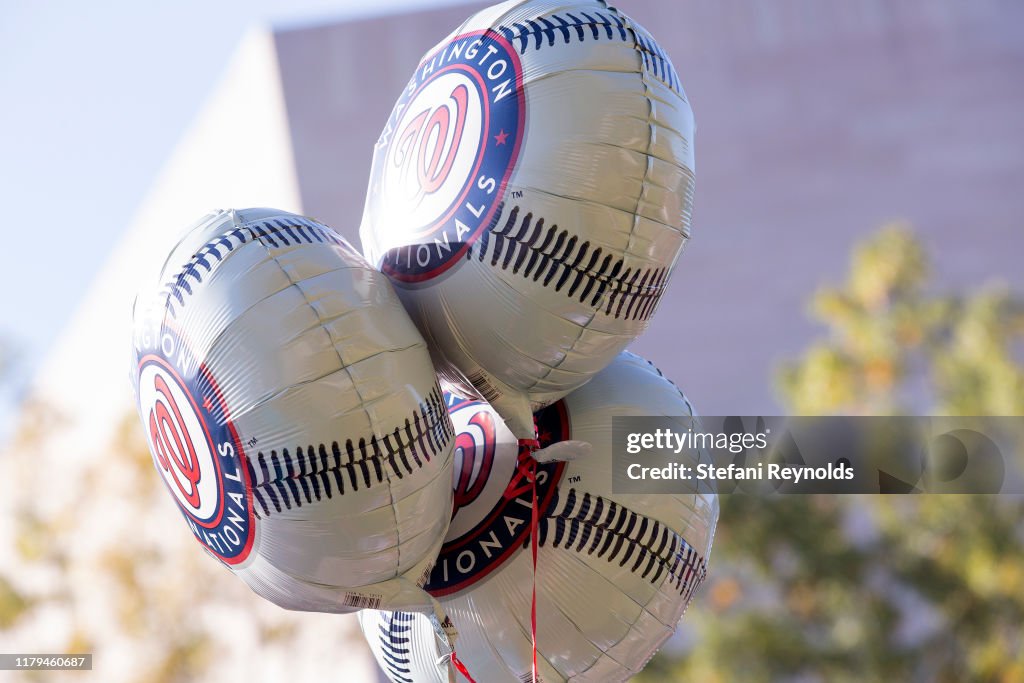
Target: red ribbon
461 667
525 481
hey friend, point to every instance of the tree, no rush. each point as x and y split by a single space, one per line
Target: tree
876 588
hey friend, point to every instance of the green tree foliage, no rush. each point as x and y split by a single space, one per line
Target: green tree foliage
876 588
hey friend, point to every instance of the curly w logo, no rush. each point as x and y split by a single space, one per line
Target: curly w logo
172 445
474 450
427 147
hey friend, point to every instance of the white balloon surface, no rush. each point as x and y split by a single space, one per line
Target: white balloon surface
293 413
530 194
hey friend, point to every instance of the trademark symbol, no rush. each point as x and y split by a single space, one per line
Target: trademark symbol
252 442
575 479
517 194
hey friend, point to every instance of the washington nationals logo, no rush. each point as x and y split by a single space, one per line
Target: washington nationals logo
195 448
445 156
488 526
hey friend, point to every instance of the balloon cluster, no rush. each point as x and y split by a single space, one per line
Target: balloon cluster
644 555
424 434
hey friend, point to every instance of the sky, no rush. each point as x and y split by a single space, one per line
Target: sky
96 95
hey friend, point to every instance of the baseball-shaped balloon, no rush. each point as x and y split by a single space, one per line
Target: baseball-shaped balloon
529 196
293 413
615 572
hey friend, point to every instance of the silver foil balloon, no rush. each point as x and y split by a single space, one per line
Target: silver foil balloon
530 194
615 572
293 413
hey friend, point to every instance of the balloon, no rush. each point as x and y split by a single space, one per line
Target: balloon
293 413
615 572
529 196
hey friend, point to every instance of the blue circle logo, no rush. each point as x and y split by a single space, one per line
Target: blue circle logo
445 156
195 448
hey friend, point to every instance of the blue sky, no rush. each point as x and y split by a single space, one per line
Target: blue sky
95 97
